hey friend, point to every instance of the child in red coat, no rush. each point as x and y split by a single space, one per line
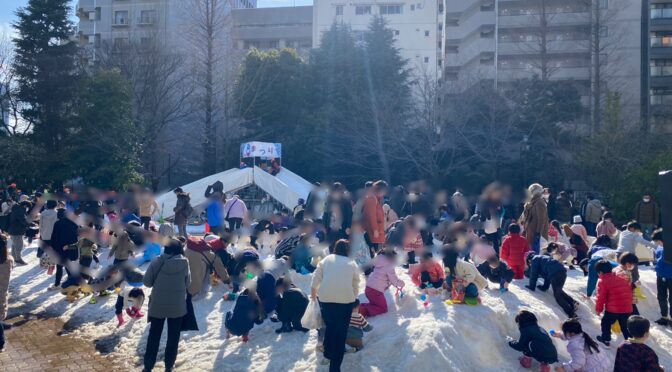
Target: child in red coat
514 249
614 298
429 271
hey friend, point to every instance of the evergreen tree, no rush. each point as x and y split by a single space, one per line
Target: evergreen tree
45 69
104 148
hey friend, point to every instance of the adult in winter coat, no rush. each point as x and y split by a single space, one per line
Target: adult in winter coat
563 208
215 214
382 277
183 210
203 261
235 211
65 234
614 298
336 284
514 250
647 213
555 275
48 218
147 206
373 215
535 217
18 225
592 213
168 276
337 216
6 264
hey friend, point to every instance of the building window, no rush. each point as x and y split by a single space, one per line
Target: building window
604 31
147 17
452 49
120 43
121 17
306 44
251 45
363 9
339 10
274 44
426 33
661 11
412 7
661 97
660 40
395 32
426 59
146 42
390 9
661 67
604 4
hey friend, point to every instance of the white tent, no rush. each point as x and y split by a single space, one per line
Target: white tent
286 187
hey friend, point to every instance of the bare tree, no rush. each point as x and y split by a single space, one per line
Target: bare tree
162 89
10 106
207 24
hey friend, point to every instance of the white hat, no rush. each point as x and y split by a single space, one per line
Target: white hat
577 219
535 189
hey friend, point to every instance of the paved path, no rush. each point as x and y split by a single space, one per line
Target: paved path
35 345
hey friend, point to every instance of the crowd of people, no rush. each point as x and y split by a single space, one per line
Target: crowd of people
453 247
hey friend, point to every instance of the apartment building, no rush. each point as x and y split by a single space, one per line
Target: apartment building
501 41
657 54
416 26
273 28
118 22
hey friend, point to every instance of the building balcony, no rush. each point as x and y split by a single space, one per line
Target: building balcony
560 73
146 21
533 20
533 47
121 22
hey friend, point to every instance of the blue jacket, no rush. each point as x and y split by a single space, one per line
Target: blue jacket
241 320
663 269
215 212
593 276
545 267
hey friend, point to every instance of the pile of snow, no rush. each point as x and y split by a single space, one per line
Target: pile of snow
409 337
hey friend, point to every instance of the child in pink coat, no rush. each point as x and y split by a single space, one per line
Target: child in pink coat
382 277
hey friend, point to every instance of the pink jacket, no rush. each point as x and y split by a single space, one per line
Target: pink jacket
580 231
480 253
383 274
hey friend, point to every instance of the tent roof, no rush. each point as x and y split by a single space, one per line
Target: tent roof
286 187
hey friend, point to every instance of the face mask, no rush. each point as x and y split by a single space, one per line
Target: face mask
546 196
646 200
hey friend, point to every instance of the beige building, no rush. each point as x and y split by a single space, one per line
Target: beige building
657 100
416 26
273 28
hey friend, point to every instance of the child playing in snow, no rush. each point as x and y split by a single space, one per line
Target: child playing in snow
301 256
514 248
627 270
291 307
481 251
634 354
614 298
245 314
584 352
663 280
358 325
152 248
266 285
87 250
122 248
458 270
413 243
555 275
534 342
130 297
381 278
429 271
497 272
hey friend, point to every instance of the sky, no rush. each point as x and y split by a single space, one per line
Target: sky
7 8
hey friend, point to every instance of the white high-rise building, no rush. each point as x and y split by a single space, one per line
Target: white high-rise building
416 26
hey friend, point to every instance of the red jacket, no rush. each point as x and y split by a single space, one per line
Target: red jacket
434 269
513 250
614 294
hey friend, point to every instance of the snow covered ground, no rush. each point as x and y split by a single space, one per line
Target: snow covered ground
409 337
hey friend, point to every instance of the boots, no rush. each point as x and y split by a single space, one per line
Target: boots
525 361
121 320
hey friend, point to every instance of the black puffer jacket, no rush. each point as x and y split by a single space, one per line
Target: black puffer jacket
536 343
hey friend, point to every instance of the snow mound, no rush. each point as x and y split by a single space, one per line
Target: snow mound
409 337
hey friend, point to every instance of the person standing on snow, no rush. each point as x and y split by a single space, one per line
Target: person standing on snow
535 217
18 225
183 210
